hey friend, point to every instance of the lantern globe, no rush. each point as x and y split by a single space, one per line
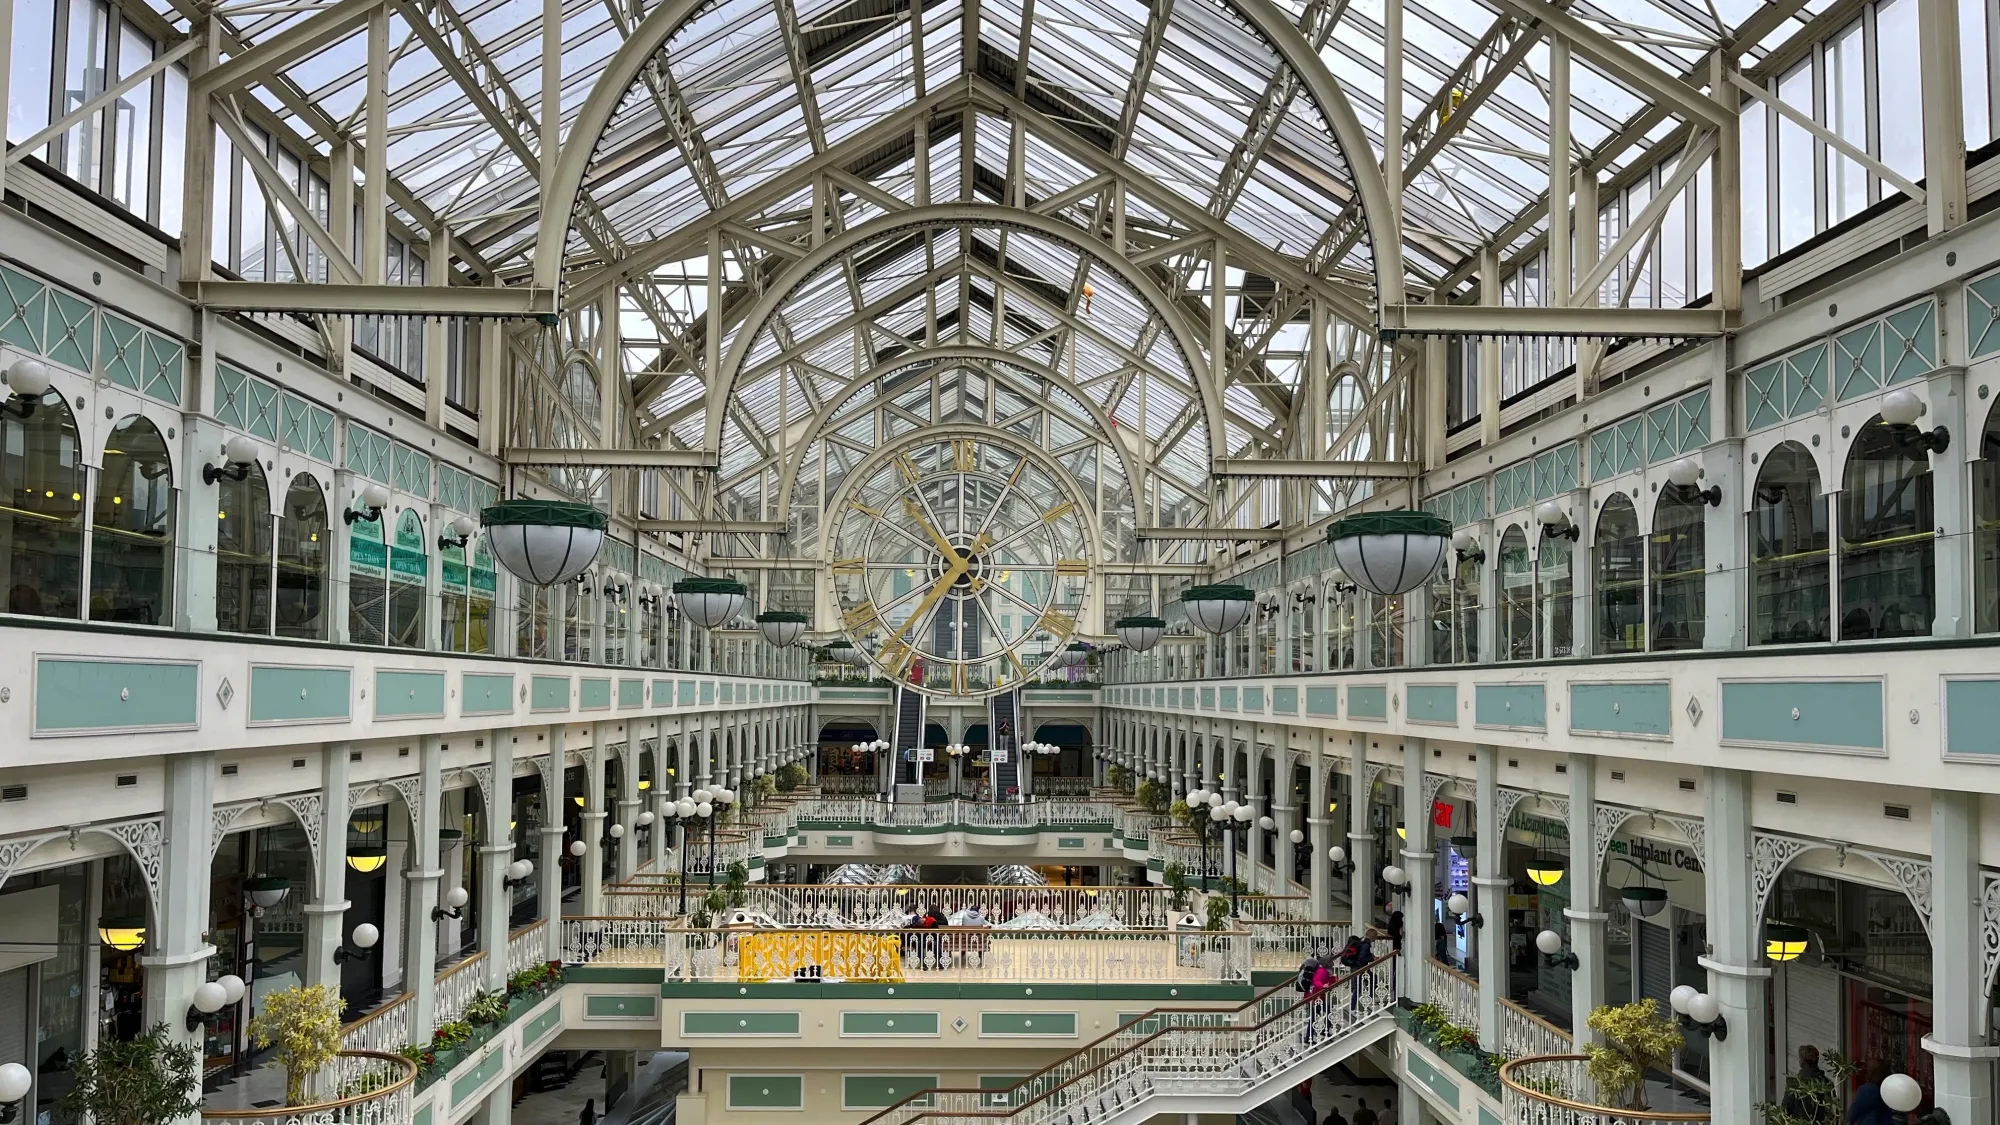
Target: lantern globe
1218 609
1389 552
543 542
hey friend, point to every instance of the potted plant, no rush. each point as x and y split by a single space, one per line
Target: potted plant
739 880
1153 796
1175 878
791 776
1637 1038
1218 912
303 1023
151 1080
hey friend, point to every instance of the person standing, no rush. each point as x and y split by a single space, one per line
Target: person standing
1362 1114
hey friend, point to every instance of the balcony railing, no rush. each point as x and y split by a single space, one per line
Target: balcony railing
1285 944
969 955
358 1088
1059 812
457 985
527 946
1524 1034
1557 1090
890 904
1454 992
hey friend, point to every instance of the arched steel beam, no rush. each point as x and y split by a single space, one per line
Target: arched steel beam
954 215
561 190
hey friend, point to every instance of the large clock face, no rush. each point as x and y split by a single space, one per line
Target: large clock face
961 565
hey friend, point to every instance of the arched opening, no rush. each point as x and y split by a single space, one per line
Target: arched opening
1554 579
41 466
1678 561
1888 570
1517 597
1620 578
1788 550
1339 599
409 568
243 554
302 557
466 599
132 533
1986 526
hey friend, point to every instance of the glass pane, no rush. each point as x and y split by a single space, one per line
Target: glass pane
132 540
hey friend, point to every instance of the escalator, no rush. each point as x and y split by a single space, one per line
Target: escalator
909 736
1003 739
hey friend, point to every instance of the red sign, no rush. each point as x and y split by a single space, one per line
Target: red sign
1440 814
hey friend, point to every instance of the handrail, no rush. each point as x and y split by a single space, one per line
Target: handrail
329 1111
1573 1079
928 1103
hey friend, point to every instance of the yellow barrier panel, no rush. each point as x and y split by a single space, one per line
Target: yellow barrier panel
829 955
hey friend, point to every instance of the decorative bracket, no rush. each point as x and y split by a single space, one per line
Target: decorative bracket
1912 875
1693 828
1508 798
1769 856
1434 783
310 809
12 852
1989 929
145 838
222 818
1607 820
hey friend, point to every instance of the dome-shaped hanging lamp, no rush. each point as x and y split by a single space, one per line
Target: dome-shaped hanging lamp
1217 609
782 627
1140 632
1389 552
710 602
543 542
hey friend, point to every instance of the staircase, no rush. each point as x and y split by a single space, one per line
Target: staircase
1182 1061
1003 738
909 734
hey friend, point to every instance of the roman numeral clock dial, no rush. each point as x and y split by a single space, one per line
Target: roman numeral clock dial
961 565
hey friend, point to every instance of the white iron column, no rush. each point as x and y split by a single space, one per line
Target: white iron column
1585 911
1284 811
1416 862
177 949
1319 825
496 852
1360 839
1961 1062
326 914
1490 896
630 801
594 814
1737 1064
420 930
1253 793
548 891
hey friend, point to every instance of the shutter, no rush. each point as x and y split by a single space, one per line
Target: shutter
1656 961
15 1017
1812 1010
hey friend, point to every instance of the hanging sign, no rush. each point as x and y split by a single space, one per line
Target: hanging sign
1000 756
926 754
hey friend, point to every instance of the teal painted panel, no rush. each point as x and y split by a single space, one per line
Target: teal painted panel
1208 699
486 693
534 1029
631 693
1069 841
707 692
739 1023
890 1023
409 695
1488 1117
1285 700
1434 703
549 693
879 1091
767 1091
1441 1084
468 1084
1253 699
1322 701
726 692
422 1116
1027 1023
1368 701
632 1006
1645 710
1840 714
1972 717
115 695
687 692
1229 699
283 693
1510 705
594 694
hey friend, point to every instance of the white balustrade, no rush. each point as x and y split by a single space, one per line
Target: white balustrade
869 905
527 946
1453 992
1558 1090
457 985
1285 944
387 1028
357 1088
1524 1034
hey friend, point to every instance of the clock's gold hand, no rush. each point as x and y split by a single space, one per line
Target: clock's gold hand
955 567
916 512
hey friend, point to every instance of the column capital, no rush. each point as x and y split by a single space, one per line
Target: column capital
1746 972
169 960
325 907
1502 882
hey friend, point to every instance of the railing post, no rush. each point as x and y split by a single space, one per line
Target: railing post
326 914
420 929
496 852
1418 864
1735 923
1490 896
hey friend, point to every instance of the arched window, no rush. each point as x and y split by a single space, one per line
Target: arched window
485 592
409 571
1986 526
1444 616
132 533
531 617
1553 582
243 553
1620 578
1517 597
1788 551
1385 632
1678 562
41 467
303 542
1339 601
1888 575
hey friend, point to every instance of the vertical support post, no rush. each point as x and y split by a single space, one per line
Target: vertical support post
1726 190
419 929
437 274
548 896
1360 839
1490 895
630 801
593 822
1489 352
197 168
326 914
178 951
1961 1061
1418 863
1319 825
496 852
1585 912
1943 113
375 157
1559 174
1737 1078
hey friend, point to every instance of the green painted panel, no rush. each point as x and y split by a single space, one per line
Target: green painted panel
628 1006
1368 701
549 693
631 693
739 1023
1229 699
1285 700
486 693
1187 698
1440 1083
1253 699
1434 703
879 1091
1844 714
687 692
727 692
840 841
1972 717
534 1029
1638 709
594 694
889 1023
422 1116
468 1084
281 693
403 695
1510 705
1322 701
1488 1117
1207 699
1069 841
113 695
767 1091
707 692
1027 1023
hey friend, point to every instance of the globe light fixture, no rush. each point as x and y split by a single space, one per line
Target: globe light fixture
1903 1094
519 872
543 542
1298 837
366 859
1266 823
123 934
1555 522
358 944
1461 906
1643 902
239 454
367 821
1698 1011
29 380
15 1082
1139 632
1338 855
645 817
1784 942
1550 943
232 988
1395 876
209 997
1900 410
1074 654
452 901
782 628
267 891
710 602
1217 609
374 498
462 529
577 848
1389 552
1545 872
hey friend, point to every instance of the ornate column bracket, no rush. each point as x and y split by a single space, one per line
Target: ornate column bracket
551 774
306 806
1369 773
1560 805
411 789
1910 873
1769 856
222 818
1989 926
1608 819
482 776
1509 798
13 851
144 837
1694 829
